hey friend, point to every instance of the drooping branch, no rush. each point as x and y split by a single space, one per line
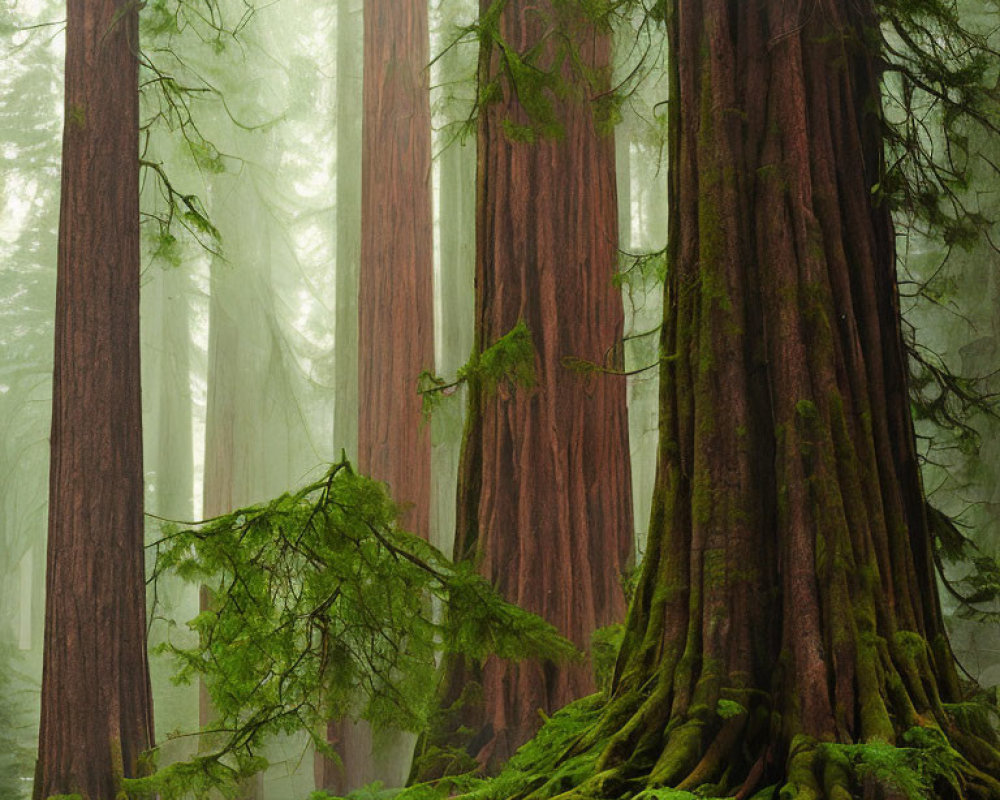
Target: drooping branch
316 594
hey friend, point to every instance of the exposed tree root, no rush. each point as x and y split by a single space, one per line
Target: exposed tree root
710 756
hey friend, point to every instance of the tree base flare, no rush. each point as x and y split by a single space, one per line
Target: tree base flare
578 755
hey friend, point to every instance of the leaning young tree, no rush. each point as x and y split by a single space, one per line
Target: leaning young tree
96 716
786 637
544 497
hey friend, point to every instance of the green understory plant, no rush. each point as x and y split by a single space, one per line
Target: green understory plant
313 597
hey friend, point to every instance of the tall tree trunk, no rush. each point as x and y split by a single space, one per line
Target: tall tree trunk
96 716
544 499
395 313
396 306
169 457
787 601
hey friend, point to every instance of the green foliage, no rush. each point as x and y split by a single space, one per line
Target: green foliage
547 72
664 793
642 269
948 401
979 715
509 361
446 787
171 91
315 596
977 588
201 776
543 767
727 709
911 770
548 760
939 87
910 642
604 646
806 409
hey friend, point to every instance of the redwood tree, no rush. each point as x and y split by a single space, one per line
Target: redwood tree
787 610
544 498
395 306
96 715
396 310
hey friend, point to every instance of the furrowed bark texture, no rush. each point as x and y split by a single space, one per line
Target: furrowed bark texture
396 307
789 561
395 311
96 715
544 498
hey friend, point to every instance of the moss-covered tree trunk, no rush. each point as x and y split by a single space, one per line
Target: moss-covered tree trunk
544 498
96 716
787 603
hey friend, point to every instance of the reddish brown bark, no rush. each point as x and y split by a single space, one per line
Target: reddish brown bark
789 561
396 311
544 495
96 715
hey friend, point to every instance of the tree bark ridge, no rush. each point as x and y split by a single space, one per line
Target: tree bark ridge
96 717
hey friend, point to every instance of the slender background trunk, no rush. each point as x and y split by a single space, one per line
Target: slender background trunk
396 306
395 316
348 231
96 716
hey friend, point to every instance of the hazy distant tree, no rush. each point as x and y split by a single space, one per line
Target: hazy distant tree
395 302
544 503
256 439
96 716
951 306
642 192
168 447
348 232
456 160
30 87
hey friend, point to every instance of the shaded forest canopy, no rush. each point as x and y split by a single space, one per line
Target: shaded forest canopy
729 278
